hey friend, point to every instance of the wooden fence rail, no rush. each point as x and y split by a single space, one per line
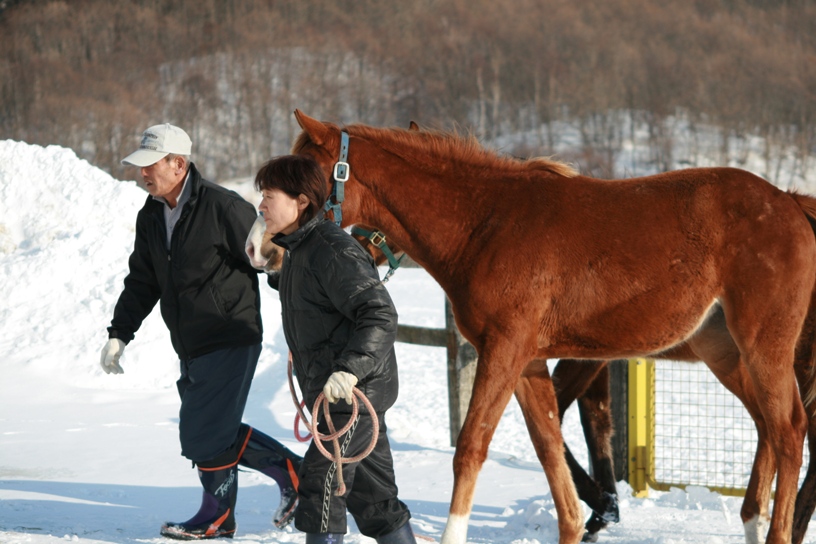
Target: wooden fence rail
461 364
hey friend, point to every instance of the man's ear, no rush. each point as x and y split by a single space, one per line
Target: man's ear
303 201
181 165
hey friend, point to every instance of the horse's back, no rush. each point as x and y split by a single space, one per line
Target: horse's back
640 262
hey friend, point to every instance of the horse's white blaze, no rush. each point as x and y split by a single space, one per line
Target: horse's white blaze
254 241
755 530
455 530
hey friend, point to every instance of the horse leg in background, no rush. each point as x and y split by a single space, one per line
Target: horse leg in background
536 396
589 381
596 419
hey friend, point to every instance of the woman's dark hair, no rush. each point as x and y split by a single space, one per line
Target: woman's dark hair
296 175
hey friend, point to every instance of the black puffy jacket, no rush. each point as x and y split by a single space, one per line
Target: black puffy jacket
337 315
209 293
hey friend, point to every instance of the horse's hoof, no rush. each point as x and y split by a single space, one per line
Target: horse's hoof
589 537
592 527
611 513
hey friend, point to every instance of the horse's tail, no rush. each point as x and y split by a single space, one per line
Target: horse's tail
806 349
808 205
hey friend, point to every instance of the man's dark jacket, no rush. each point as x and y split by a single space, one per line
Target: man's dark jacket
209 292
337 314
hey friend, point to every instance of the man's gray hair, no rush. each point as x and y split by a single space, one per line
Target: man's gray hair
186 158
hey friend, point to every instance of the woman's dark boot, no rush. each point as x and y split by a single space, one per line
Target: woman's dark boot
268 456
216 516
324 538
403 535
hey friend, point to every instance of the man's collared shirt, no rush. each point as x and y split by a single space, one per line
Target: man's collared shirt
172 215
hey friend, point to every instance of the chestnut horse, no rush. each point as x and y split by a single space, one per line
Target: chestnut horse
588 383
721 250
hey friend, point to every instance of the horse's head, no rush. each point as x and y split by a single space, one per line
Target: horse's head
262 253
265 255
321 141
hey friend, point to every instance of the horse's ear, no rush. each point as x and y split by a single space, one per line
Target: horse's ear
413 126
316 130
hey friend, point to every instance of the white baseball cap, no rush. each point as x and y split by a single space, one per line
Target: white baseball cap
157 142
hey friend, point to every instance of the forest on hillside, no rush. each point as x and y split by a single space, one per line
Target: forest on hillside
92 74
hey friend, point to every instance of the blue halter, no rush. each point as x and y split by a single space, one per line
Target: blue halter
340 175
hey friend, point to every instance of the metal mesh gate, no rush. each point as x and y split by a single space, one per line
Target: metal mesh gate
696 431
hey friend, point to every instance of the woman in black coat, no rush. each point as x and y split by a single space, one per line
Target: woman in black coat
340 324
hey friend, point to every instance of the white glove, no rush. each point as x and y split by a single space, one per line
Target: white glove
340 385
110 356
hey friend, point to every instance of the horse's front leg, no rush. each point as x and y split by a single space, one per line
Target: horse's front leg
499 365
536 396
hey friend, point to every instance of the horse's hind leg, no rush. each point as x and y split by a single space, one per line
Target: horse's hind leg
806 498
589 382
715 345
536 396
785 420
754 513
769 362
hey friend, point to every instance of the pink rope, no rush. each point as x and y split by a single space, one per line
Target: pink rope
300 438
334 434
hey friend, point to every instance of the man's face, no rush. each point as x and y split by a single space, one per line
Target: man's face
163 178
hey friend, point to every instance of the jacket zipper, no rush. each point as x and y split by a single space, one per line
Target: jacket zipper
174 246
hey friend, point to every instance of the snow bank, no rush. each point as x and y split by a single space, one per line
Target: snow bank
66 230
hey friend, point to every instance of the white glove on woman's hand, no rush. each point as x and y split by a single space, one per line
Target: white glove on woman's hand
110 356
340 385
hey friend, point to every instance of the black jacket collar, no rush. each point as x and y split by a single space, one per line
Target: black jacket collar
291 241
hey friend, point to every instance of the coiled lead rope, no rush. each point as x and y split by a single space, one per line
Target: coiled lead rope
334 434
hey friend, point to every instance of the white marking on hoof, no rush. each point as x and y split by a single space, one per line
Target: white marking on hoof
756 529
455 530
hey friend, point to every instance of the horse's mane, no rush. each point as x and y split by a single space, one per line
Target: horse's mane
433 145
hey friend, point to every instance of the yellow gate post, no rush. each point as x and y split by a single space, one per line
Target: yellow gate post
641 424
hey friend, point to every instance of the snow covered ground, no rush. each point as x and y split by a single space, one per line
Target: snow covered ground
90 457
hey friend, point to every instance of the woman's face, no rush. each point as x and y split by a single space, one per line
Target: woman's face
281 211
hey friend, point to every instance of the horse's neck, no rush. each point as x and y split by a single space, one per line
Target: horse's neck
429 218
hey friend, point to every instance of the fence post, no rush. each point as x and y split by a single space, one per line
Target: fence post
641 424
619 404
461 372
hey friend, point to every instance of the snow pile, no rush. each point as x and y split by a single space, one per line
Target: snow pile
66 230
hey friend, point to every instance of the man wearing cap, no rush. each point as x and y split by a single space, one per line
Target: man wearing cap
189 255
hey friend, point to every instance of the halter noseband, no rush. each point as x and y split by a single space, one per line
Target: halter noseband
340 175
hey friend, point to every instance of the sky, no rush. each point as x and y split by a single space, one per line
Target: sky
91 457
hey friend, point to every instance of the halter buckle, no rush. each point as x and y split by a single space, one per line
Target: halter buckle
341 171
377 238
